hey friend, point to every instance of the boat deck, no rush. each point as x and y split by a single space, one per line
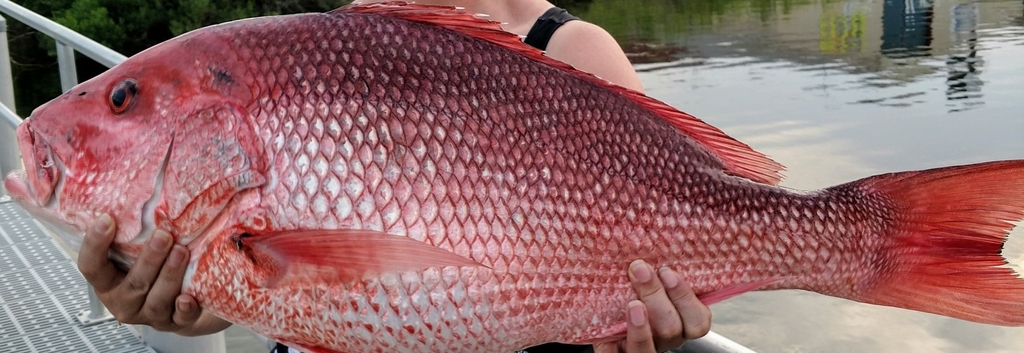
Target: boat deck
42 293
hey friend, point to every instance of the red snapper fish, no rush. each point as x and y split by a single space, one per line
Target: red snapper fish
401 177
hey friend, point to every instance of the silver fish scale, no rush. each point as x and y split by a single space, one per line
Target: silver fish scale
553 184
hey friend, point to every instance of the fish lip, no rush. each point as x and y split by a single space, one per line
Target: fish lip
16 185
41 195
43 169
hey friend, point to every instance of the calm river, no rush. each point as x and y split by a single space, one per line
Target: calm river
839 90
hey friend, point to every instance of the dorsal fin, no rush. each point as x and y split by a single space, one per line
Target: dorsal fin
738 158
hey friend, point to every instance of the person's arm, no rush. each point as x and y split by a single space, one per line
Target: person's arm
150 293
590 48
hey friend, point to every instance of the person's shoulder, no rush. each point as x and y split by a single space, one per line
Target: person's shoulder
590 48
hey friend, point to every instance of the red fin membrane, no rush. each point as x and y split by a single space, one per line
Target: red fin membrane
738 158
346 255
949 226
721 295
618 330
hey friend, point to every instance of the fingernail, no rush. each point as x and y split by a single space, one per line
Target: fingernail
159 241
102 223
641 271
668 278
184 304
636 313
177 256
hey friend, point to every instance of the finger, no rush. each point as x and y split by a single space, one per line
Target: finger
136 285
665 320
638 329
188 311
606 347
160 302
696 316
93 262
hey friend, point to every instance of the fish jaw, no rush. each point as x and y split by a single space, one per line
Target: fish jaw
37 155
17 185
38 188
35 186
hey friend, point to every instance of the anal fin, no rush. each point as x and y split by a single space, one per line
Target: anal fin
721 295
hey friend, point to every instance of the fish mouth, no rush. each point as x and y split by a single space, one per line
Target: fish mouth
43 177
38 187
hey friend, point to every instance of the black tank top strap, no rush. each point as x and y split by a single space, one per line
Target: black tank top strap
546 26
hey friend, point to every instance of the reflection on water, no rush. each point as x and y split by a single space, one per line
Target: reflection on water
842 32
894 42
907 28
964 64
839 90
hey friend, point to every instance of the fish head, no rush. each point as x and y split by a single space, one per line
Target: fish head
139 142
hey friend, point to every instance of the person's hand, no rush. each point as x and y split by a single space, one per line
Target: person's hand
148 294
666 316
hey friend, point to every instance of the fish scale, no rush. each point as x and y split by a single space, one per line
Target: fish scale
445 156
402 177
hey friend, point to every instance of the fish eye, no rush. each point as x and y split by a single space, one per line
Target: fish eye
122 96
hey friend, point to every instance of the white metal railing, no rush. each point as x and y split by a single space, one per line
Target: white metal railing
63 35
6 77
9 157
68 79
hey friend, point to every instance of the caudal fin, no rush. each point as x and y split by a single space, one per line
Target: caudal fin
947 230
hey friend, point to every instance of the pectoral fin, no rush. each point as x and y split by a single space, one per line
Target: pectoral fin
343 255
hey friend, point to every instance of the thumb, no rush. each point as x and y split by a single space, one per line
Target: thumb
101 273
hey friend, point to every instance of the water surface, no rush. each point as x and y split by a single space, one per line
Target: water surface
839 90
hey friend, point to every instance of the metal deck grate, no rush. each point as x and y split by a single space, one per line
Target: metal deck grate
41 292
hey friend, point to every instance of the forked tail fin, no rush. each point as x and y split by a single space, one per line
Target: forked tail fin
948 229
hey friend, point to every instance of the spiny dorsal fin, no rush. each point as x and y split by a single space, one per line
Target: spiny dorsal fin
738 158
